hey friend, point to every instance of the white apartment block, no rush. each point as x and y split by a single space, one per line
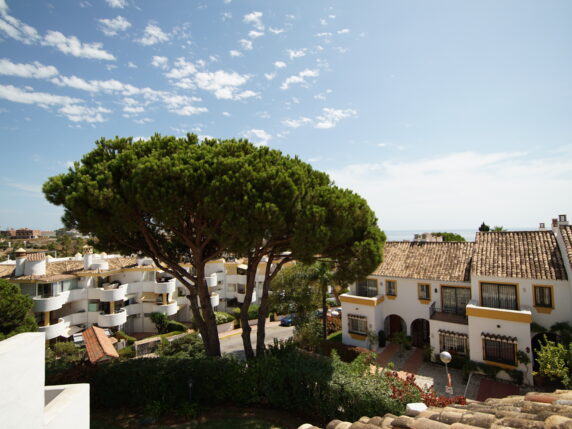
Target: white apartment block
113 291
474 299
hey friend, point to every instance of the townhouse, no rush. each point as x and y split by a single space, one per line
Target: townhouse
474 299
114 291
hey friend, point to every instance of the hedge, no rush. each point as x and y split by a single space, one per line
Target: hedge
222 317
283 378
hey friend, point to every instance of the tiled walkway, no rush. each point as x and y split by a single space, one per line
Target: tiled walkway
495 389
414 361
387 354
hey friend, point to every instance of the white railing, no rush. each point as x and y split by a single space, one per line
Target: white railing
112 320
212 280
112 294
240 296
56 302
167 309
152 286
215 299
64 323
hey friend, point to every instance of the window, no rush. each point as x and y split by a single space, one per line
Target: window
499 296
391 287
453 342
543 296
357 324
424 291
367 288
455 299
498 348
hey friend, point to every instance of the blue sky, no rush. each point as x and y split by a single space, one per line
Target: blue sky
441 113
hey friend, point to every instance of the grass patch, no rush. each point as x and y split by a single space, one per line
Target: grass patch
335 336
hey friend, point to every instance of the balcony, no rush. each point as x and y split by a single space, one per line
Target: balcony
64 323
168 309
450 315
240 296
109 294
50 303
212 280
215 299
361 300
524 315
112 320
236 278
152 286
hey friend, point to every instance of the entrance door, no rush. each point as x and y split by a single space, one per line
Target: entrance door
420 332
395 325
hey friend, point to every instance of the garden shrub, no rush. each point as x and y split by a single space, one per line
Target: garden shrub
222 317
516 375
489 370
333 324
127 352
120 335
190 345
174 326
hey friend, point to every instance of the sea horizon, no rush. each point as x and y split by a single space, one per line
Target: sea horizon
467 233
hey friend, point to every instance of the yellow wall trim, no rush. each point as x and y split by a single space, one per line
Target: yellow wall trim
392 297
543 310
362 300
358 337
500 365
425 301
499 314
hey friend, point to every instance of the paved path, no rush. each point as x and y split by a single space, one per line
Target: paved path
496 389
387 354
231 342
414 361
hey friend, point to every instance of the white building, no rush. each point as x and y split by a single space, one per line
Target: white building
25 403
112 291
473 299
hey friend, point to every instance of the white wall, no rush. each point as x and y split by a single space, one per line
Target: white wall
69 409
22 381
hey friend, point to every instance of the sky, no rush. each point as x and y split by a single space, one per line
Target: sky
441 113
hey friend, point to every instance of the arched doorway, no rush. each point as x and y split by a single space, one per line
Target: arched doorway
536 342
420 333
394 324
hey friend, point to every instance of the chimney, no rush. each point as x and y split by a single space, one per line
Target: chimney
554 223
542 226
35 265
562 220
87 257
20 262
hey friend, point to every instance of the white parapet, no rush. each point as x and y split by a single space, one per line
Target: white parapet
112 320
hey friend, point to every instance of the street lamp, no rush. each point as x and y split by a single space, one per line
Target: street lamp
446 358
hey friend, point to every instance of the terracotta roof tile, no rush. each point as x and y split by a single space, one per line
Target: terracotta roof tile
533 411
98 345
567 237
423 260
524 254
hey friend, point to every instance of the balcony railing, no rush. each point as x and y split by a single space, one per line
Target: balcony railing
112 320
451 315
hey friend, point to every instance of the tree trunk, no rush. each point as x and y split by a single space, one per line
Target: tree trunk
262 314
209 331
246 329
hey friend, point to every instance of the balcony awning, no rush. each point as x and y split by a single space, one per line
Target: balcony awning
242 267
70 331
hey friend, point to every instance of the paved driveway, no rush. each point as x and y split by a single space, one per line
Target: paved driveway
233 344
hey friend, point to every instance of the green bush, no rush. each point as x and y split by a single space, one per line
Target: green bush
222 317
120 335
174 326
489 370
253 311
160 320
190 345
516 375
127 352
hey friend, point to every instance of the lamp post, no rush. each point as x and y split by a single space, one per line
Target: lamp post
446 358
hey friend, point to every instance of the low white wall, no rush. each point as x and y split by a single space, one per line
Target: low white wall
69 409
22 381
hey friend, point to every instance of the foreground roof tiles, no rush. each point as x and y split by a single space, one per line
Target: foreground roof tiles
524 254
567 237
423 260
98 345
533 411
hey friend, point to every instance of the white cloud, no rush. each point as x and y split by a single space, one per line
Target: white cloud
79 113
343 31
3 7
183 68
517 188
340 49
131 65
142 121
160 62
72 46
226 16
324 34
279 64
246 44
323 21
133 109
295 123
16 29
269 76
330 117
223 85
323 95
253 34
26 187
117 3
110 27
42 99
153 35
276 30
34 70
258 137
296 53
183 105
299 78
254 18
235 53
225 114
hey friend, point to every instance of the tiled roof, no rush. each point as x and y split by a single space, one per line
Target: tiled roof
567 236
61 270
423 260
533 411
524 254
98 345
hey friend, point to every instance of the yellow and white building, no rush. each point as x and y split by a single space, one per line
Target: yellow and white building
475 299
